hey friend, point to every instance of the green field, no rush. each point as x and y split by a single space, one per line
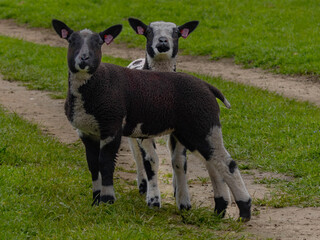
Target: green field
45 187
45 193
262 130
281 35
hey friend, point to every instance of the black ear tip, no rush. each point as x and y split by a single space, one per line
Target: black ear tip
131 19
55 20
196 22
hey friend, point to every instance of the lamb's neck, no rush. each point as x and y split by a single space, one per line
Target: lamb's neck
160 64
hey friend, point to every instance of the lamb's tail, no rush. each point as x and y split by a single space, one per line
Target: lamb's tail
219 95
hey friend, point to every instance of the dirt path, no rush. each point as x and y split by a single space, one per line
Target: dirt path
286 223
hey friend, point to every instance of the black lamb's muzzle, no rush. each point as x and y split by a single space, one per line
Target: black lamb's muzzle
163 47
83 65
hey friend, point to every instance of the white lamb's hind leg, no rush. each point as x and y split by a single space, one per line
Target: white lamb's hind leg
179 165
138 157
151 165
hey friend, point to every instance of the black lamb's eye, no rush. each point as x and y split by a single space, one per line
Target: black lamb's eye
175 32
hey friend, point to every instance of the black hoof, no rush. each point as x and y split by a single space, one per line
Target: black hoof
143 187
185 207
220 206
96 198
107 199
245 210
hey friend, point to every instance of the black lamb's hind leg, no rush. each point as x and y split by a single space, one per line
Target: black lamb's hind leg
220 161
92 148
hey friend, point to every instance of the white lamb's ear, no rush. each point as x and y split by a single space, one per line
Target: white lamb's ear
138 26
62 29
111 33
187 28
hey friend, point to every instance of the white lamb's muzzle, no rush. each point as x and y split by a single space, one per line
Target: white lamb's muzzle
162 55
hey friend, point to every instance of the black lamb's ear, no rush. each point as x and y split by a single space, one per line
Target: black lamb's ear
187 28
62 29
111 33
138 26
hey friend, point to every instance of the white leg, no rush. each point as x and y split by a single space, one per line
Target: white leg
179 165
151 165
96 185
138 157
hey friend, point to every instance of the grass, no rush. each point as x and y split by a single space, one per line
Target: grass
279 35
45 193
45 186
262 130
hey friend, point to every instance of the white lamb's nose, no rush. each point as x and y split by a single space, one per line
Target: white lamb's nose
163 40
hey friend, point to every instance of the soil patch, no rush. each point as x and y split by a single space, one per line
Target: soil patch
38 107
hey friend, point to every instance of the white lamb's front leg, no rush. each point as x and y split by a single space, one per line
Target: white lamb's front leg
151 164
138 157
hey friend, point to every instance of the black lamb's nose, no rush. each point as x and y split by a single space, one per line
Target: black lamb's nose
84 57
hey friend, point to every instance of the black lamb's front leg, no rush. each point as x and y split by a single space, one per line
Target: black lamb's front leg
92 147
109 147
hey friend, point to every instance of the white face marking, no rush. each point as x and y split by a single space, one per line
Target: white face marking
85 123
162 61
85 34
162 29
